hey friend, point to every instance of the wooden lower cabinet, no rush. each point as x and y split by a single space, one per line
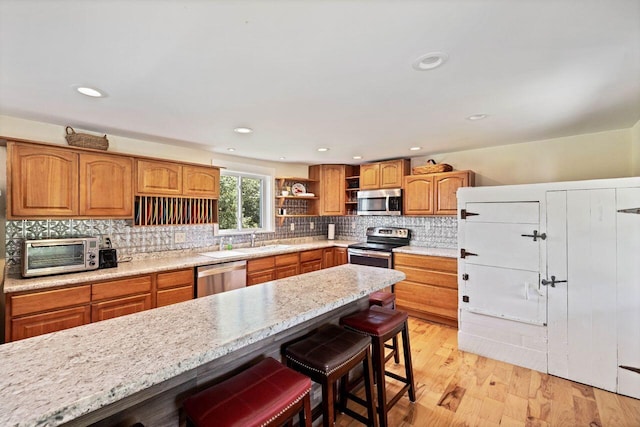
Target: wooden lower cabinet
311 260
340 256
287 265
52 321
174 287
430 290
173 296
120 307
328 257
261 270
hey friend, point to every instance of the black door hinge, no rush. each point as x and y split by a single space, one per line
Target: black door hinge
465 298
465 276
464 214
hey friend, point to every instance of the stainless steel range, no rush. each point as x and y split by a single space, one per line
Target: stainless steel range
377 251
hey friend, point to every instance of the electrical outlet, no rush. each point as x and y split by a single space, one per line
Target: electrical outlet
293 227
180 237
353 225
312 225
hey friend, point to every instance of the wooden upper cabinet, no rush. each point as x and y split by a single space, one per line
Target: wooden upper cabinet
43 181
383 174
162 178
370 176
418 195
446 186
201 181
106 187
392 173
434 194
331 188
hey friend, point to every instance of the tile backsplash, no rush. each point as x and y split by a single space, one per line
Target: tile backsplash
439 232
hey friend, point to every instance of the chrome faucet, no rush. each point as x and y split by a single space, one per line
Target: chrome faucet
221 243
253 239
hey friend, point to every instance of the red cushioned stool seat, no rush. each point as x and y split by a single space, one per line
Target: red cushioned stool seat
383 299
327 356
382 324
266 394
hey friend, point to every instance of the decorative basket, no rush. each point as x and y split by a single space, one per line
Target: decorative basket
85 140
432 167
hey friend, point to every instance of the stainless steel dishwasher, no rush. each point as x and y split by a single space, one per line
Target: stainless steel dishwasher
213 279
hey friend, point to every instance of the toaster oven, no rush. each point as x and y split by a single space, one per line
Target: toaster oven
57 256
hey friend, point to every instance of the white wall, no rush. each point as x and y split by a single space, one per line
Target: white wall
635 149
13 127
579 157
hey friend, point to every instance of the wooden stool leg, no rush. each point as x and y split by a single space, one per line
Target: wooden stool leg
368 385
328 400
379 362
408 366
306 411
396 350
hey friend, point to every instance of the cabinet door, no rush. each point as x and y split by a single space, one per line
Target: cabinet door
370 176
43 182
340 257
328 258
332 194
201 181
120 307
310 266
106 186
30 326
446 185
287 271
158 178
418 195
392 173
174 295
260 277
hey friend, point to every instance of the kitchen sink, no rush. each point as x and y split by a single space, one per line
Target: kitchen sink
264 248
222 254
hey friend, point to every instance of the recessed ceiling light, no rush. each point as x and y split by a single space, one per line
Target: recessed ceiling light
429 61
282 158
89 91
415 148
357 157
243 130
477 117
323 149
231 149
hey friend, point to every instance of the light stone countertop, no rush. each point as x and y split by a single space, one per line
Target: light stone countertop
54 378
420 250
162 261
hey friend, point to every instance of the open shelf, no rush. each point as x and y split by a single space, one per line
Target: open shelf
154 210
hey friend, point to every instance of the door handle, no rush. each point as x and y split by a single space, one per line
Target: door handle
552 282
535 235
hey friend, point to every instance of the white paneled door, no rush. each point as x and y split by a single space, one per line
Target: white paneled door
582 304
628 229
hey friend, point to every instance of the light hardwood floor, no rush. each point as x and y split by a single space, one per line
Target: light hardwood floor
455 388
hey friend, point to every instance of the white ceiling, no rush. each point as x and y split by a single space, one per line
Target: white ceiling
309 73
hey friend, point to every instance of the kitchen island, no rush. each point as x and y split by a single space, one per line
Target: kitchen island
139 368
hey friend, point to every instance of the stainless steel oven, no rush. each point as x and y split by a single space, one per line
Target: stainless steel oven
377 251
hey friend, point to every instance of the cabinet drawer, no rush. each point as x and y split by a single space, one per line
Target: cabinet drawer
449 265
310 266
260 264
38 324
438 278
287 271
118 288
428 299
49 300
260 277
120 307
175 295
286 259
313 255
174 279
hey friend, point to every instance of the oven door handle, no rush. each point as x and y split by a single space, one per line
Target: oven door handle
48 245
370 254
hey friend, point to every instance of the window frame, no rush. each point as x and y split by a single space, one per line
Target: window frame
266 203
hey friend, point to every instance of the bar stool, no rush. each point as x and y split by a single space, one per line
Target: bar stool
267 394
326 357
387 300
381 324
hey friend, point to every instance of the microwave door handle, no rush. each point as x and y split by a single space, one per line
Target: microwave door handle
387 203
46 245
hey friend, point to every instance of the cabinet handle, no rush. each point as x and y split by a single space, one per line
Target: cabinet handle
552 282
536 236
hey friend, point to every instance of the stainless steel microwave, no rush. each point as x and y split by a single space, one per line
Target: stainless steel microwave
380 202
57 256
